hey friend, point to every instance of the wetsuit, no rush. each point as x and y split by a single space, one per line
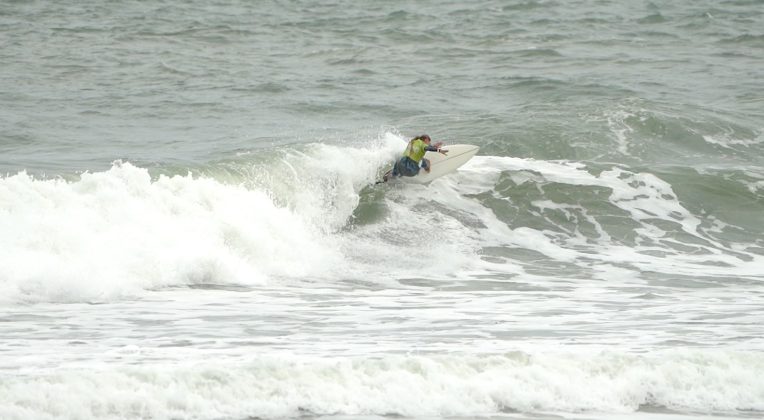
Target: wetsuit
409 164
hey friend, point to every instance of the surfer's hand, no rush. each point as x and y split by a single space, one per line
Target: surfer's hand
438 144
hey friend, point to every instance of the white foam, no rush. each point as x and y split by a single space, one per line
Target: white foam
728 139
617 121
321 182
646 198
700 381
118 232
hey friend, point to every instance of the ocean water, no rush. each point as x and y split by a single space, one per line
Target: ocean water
190 226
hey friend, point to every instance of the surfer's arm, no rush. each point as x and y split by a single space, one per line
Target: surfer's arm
435 148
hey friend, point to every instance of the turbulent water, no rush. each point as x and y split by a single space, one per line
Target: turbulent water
190 226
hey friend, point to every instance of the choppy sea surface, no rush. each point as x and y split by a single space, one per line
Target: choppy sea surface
190 226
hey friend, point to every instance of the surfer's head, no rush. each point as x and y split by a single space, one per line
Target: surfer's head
425 138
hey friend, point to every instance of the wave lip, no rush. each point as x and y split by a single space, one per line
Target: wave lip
698 381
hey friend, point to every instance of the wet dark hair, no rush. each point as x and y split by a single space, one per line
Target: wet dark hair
423 137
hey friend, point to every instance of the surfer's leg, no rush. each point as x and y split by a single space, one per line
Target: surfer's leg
410 168
426 165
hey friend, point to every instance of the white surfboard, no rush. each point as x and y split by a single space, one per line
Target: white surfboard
440 164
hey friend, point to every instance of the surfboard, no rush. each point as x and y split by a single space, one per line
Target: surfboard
440 164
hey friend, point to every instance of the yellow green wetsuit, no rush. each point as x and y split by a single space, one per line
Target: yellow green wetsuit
408 165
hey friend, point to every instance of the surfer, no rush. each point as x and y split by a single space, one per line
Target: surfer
413 157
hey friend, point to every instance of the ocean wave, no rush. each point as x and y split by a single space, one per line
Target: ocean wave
118 232
695 381
310 212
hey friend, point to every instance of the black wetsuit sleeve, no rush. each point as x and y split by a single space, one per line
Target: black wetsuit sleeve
431 149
